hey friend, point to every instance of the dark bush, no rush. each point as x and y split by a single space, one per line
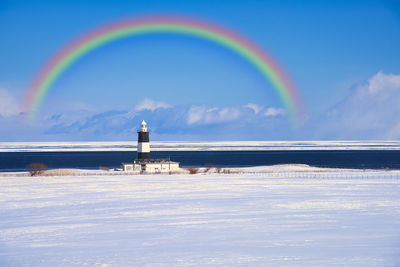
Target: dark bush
104 168
208 167
193 170
36 168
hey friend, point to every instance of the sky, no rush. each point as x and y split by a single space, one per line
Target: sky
342 56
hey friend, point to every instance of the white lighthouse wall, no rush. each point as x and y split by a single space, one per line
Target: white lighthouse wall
144 147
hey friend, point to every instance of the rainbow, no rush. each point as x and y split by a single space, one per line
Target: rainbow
149 25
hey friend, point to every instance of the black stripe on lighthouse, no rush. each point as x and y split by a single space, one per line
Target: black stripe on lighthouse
142 155
143 137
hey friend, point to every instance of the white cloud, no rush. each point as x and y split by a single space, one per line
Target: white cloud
267 111
271 112
383 82
149 104
8 104
370 112
203 115
256 108
195 114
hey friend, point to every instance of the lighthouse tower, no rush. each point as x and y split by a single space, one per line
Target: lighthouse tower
143 162
143 148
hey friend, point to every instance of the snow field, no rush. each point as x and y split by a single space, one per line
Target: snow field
215 219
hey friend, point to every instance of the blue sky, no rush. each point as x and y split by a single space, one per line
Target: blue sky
342 55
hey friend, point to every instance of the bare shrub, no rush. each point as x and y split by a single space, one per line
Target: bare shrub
36 168
226 171
193 170
218 169
208 167
104 168
59 172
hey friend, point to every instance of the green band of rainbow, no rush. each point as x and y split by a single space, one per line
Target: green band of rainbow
63 60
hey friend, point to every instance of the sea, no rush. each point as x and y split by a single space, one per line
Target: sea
357 159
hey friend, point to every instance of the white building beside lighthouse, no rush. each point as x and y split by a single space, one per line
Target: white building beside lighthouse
144 163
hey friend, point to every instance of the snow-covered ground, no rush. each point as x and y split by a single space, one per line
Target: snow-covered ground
200 146
290 218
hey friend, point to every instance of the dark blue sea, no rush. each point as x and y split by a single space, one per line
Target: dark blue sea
358 159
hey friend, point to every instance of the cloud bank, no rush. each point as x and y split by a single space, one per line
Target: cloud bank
371 111
182 122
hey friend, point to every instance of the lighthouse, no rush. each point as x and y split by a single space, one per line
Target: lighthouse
143 147
143 163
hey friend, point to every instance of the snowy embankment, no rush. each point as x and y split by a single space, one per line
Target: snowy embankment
279 170
255 218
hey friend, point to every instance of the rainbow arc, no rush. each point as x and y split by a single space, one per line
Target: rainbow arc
170 25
